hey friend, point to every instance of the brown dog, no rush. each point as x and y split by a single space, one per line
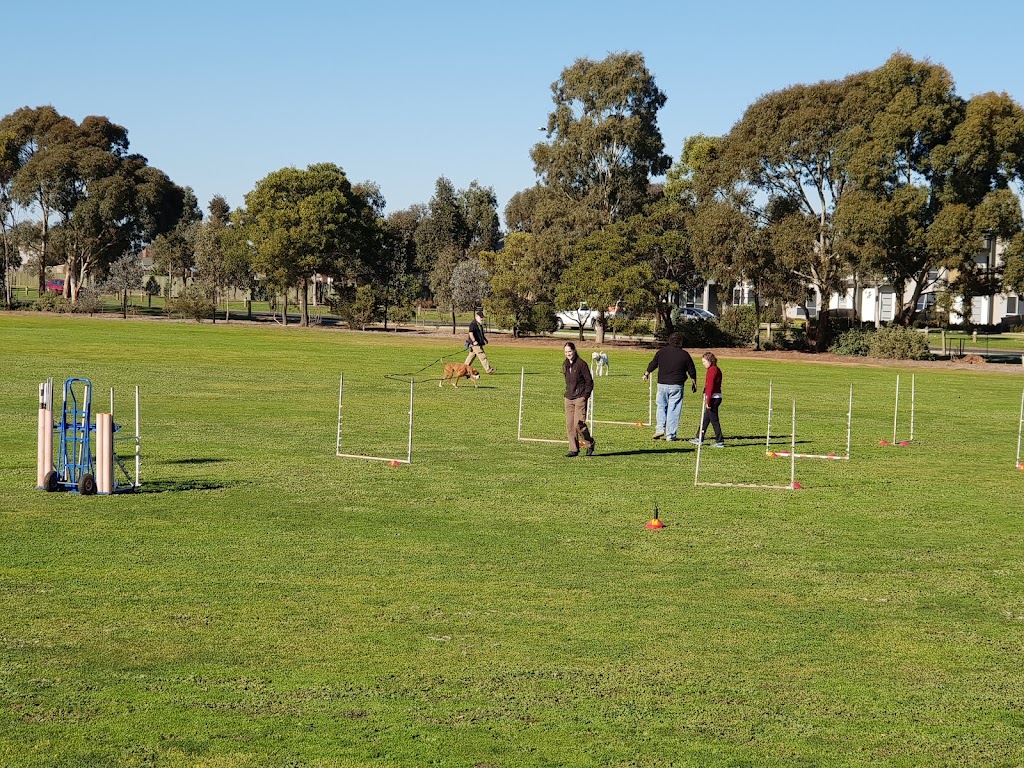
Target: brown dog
455 371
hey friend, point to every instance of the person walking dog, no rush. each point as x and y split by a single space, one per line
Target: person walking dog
476 340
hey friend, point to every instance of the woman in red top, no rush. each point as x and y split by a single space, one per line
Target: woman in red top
712 399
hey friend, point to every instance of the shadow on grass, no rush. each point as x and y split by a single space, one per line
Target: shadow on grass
179 486
194 461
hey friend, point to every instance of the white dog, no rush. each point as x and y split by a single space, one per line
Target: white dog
601 366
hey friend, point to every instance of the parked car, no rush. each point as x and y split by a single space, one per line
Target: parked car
55 286
695 313
582 317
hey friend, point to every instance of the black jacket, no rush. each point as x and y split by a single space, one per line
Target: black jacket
673 364
476 333
578 381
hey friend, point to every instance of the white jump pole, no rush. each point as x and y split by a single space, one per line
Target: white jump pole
412 390
650 401
138 441
849 422
913 387
700 437
1020 425
768 435
792 451
896 411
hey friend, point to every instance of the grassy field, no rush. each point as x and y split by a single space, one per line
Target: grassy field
263 603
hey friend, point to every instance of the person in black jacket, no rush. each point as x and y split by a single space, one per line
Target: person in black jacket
674 364
579 384
475 341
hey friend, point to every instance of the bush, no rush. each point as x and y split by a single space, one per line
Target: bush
357 308
542 318
192 302
853 343
740 322
703 333
898 343
52 302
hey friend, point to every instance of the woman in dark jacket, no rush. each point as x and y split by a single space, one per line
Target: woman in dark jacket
578 385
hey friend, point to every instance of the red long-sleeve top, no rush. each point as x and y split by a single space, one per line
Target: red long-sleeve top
712 382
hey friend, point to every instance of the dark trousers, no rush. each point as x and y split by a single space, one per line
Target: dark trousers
711 417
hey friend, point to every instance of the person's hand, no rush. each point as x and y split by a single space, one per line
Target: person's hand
693 386
647 375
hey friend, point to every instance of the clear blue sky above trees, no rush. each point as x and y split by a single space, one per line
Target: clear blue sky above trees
220 94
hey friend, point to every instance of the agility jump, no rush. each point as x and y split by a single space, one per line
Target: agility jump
793 484
768 439
393 461
650 409
519 429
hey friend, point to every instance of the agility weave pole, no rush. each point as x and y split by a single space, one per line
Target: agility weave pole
849 429
793 485
650 410
519 430
338 453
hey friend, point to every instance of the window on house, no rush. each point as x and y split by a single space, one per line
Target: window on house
1012 306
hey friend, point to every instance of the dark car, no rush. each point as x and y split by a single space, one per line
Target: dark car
55 286
696 313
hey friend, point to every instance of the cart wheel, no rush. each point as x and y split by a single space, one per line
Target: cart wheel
51 481
87 485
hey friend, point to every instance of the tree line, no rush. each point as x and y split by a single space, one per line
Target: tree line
882 176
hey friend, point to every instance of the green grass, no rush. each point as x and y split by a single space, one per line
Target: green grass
263 603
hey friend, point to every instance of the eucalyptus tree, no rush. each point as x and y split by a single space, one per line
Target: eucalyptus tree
306 222
91 195
935 175
791 146
173 252
603 144
9 163
517 282
40 154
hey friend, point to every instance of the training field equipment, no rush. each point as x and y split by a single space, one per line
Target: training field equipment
650 408
654 524
1020 424
519 430
896 414
391 460
83 465
793 484
849 429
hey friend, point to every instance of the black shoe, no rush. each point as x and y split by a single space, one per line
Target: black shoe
590 448
572 454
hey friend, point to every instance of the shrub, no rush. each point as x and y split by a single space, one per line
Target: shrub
854 343
52 302
703 333
740 322
542 318
192 302
357 308
898 343
89 302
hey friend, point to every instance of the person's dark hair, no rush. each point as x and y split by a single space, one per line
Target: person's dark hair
676 339
570 345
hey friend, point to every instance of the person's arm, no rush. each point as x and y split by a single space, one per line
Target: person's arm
588 380
691 369
651 366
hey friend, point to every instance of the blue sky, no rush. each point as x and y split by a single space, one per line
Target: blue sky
218 94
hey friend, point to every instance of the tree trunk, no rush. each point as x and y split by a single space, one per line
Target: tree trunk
757 322
124 304
453 320
821 330
304 303
284 306
599 330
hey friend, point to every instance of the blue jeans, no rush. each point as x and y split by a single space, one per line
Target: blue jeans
670 406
